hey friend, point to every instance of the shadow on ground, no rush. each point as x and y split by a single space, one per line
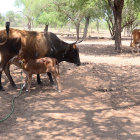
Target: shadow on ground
99 101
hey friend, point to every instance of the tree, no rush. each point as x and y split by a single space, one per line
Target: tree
44 12
10 16
91 11
27 11
130 21
117 6
107 14
78 11
59 12
19 21
1 19
73 11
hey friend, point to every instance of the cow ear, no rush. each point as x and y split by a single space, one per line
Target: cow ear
74 46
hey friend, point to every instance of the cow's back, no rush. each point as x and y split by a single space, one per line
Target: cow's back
34 45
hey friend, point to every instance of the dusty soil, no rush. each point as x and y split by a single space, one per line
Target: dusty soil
100 99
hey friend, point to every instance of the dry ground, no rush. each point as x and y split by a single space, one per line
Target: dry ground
100 99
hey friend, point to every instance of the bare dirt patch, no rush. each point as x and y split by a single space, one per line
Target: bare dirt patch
100 99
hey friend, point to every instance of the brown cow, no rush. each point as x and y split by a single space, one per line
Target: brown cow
37 66
31 44
135 45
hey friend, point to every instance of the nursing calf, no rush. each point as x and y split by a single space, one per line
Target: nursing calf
37 66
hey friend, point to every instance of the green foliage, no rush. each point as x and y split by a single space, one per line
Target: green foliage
139 16
27 10
59 12
44 12
51 18
129 14
70 12
10 16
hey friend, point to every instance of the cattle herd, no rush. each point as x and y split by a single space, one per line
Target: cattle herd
40 52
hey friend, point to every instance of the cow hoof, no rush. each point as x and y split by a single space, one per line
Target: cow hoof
52 83
39 82
13 85
2 89
23 87
27 90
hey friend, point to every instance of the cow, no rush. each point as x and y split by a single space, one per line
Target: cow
32 44
135 45
37 66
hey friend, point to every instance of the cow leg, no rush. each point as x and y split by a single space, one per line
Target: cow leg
136 48
7 72
132 45
51 79
1 87
38 79
57 78
29 82
25 83
132 50
1 70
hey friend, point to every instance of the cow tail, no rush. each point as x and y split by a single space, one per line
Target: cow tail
7 28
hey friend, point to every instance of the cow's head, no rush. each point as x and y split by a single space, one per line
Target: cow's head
72 54
16 60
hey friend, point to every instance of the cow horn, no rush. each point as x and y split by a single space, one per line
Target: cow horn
76 42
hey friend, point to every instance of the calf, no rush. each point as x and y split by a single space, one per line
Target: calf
32 44
37 66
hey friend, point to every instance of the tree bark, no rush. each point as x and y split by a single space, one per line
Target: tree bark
111 26
77 30
97 25
86 27
29 23
117 6
117 17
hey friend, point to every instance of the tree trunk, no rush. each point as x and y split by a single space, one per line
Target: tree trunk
117 6
29 26
111 29
29 23
86 27
97 25
118 33
77 30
